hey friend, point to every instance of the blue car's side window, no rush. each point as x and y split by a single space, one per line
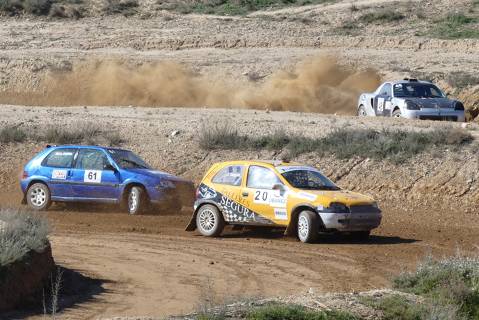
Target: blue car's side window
91 159
60 158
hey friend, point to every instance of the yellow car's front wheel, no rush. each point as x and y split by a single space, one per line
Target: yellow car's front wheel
307 226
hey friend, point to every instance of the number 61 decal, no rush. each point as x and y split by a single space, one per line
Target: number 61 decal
92 176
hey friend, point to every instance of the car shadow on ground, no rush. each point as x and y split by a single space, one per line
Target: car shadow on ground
322 239
75 288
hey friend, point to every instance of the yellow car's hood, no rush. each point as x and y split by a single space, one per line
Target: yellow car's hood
345 197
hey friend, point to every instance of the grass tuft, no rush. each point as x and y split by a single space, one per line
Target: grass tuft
12 134
295 312
451 283
20 232
381 16
231 7
455 26
396 145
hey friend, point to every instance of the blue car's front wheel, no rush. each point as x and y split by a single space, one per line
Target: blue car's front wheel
137 200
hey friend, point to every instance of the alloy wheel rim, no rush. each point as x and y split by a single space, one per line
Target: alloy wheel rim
133 201
303 227
38 197
207 220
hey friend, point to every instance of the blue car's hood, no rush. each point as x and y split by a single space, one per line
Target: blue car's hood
156 174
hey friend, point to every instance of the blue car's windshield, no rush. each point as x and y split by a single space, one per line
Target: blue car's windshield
416 90
127 159
309 180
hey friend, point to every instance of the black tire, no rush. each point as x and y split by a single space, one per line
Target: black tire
361 235
397 113
209 221
39 197
307 226
362 111
137 201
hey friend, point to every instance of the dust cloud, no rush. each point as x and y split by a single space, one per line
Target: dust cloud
318 84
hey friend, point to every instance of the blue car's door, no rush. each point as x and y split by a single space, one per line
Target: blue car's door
57 169
93 177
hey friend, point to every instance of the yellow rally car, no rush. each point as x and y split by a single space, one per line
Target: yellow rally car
279 194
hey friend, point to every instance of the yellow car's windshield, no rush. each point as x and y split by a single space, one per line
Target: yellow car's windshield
308 179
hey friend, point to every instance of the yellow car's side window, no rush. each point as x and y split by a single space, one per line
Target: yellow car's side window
230 175
261 178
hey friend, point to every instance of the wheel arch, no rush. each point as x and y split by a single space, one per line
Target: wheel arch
192 224
293 222
127 188
32 182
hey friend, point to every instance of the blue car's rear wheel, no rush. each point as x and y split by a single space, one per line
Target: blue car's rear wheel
137 201
38 197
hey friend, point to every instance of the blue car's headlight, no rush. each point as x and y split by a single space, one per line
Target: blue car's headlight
412 105
336 207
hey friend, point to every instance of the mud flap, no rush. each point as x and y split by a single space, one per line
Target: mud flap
192 224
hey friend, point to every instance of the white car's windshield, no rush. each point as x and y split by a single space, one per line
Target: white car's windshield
127 159
308 179
416 90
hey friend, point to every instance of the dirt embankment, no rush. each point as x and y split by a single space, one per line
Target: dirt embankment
22 281
445 181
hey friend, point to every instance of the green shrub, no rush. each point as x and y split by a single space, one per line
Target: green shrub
295 312
231 7
396 145
397 307
12 134
124 7
455 26
20 232
381 16
88 133
453 281
36 7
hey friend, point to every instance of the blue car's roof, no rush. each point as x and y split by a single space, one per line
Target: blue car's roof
84 147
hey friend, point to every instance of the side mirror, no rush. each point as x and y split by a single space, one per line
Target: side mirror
280 187
109 167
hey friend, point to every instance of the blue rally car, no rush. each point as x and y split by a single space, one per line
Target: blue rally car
101 175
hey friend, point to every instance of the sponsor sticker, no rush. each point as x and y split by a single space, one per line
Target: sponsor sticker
59 174
280 214
93 176
307 196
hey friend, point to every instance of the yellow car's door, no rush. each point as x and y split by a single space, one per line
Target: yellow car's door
261 190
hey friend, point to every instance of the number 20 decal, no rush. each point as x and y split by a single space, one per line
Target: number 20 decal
260 195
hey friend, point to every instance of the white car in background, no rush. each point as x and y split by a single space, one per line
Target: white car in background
412 99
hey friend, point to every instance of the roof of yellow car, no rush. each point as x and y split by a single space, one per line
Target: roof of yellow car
275 163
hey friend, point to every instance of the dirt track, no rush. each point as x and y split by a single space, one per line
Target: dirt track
150 267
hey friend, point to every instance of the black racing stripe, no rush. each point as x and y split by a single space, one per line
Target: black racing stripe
233 211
